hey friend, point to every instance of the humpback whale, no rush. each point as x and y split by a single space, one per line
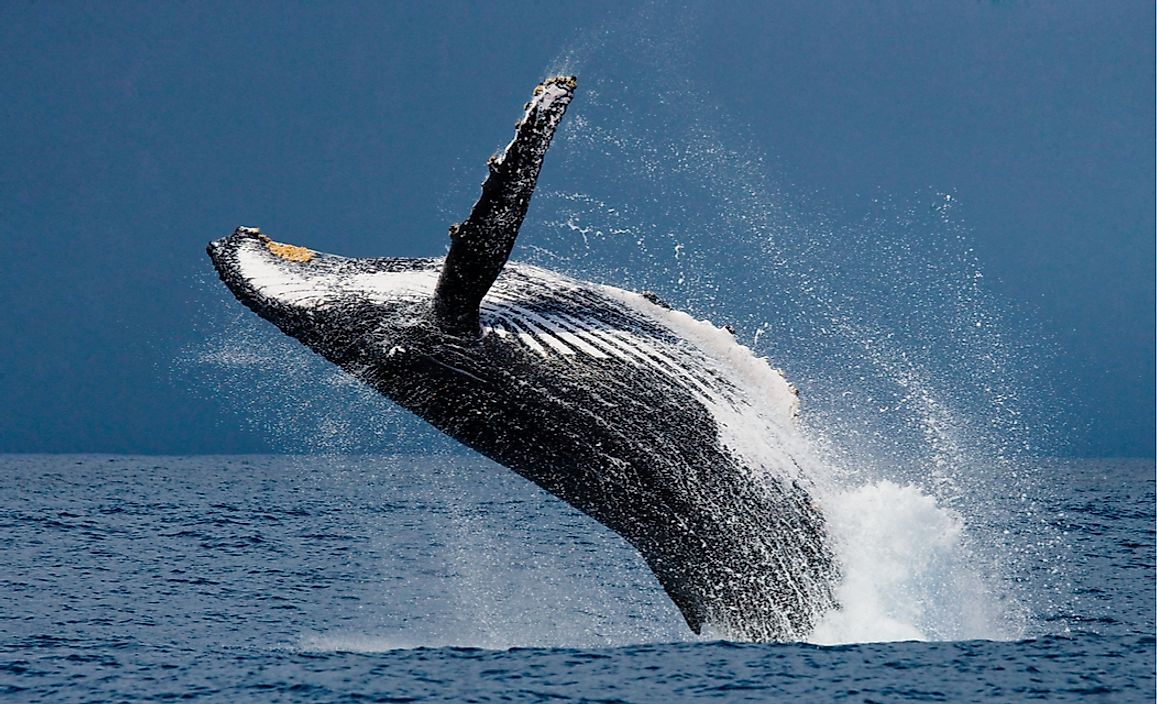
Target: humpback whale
659 426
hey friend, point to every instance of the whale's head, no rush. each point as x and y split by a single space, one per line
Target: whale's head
336 305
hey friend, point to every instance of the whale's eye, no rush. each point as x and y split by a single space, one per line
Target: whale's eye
289 252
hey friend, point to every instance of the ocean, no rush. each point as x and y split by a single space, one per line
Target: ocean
448 578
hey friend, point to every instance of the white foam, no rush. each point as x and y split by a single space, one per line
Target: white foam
362 643
908 574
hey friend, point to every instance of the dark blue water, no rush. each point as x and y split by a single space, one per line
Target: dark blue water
321 579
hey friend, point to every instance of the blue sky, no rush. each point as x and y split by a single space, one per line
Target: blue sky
132 133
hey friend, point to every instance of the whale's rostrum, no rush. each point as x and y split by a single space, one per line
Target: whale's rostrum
659 426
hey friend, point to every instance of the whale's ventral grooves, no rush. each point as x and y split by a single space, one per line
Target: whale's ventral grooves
653 423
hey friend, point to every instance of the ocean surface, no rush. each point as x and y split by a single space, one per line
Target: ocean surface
446 578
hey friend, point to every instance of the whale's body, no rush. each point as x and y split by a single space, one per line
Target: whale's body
659 426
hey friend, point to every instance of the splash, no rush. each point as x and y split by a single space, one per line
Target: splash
907 573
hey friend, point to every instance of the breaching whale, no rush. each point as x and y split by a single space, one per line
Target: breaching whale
659 426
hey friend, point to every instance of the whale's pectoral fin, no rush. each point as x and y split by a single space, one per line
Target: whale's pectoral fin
480 245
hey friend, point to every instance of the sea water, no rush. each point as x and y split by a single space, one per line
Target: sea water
448 578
